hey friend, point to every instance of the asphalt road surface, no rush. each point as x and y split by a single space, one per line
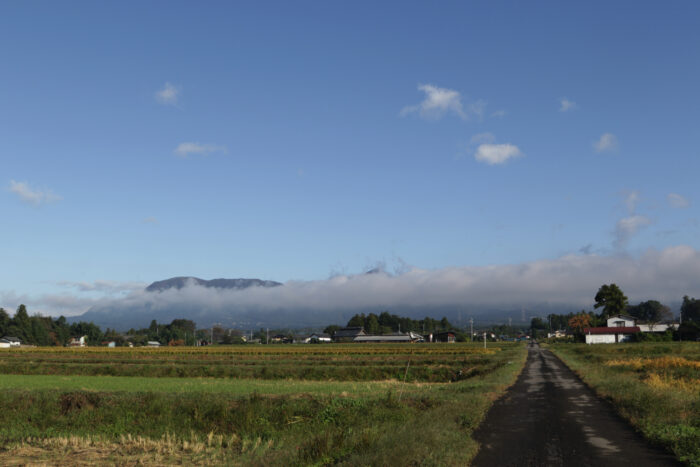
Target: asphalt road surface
549 418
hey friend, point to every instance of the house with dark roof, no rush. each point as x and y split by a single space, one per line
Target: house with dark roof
443 336
9 341
348 334
317 338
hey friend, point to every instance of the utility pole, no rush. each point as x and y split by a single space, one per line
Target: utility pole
484 340
471 329
267 341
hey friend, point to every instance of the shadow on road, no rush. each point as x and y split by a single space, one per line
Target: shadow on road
549 417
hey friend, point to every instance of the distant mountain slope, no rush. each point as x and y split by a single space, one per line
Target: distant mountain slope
180 282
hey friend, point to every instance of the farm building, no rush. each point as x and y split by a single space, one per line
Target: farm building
348 334
8 341
321 338
609 334
152 344
280 339
78 342
444 336
406 338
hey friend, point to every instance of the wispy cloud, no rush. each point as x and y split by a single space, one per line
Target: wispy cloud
483 138
677 201
496 154
606 143
627 227
103 286
168 95
499 114
35 196
188 149
565 105
631 198
439 102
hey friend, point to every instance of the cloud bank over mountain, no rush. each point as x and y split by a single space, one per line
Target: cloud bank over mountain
568 281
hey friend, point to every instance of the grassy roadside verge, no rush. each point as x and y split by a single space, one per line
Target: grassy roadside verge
313 424
656 386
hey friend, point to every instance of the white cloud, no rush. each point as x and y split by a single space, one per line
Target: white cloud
437 103
32 195
664 275
606 143
187 149
677 201
168 95
565 105
627 227
494 154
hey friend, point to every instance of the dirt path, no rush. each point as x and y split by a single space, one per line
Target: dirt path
549 418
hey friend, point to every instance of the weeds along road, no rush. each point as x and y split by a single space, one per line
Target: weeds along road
549 418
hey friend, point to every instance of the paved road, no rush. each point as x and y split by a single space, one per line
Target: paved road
549 417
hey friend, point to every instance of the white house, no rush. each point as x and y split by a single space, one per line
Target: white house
620 329
621 321
8 341
78 342
317 337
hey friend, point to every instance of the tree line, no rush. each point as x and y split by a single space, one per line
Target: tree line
612 302
46 331
386 323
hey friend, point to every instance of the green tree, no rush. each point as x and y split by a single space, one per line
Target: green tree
611 299
690 310
357 321
372 324
537 327
4 322
651 312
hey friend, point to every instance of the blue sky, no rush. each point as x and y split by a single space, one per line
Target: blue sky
300 140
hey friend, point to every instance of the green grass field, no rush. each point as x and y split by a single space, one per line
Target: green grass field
358 412
656 386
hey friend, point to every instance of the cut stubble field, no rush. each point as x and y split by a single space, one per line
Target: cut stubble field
351 404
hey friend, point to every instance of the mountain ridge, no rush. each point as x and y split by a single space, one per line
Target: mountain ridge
180 282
